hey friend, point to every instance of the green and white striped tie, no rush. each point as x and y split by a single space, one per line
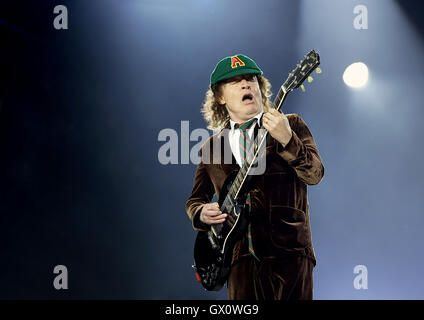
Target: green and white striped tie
244 145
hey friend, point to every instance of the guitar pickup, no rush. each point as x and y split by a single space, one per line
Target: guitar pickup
212 241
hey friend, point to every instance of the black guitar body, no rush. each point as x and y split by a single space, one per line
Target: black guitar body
213 252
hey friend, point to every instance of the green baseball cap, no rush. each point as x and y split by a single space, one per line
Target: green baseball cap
234 66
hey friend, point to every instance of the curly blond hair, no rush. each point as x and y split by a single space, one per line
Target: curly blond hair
216 115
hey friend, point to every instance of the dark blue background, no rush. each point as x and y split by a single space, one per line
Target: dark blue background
81 110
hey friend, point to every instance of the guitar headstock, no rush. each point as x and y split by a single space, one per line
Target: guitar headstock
302 71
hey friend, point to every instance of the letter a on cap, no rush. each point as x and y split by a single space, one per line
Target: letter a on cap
236 61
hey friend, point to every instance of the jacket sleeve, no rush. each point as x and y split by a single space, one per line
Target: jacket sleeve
201 194
301 153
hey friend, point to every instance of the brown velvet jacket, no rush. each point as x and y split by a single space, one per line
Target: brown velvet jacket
280 208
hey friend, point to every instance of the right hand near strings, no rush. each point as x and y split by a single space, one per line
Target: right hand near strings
211 214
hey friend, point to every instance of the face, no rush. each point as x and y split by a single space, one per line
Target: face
242 97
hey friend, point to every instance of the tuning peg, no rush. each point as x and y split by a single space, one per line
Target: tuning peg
318 70
310 79
303 88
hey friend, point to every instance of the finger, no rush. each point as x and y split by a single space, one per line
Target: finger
271 116
276 115
219 217
270 126
268 121
276 118
269 113
215 216
217 220
213 211
277 112
212 205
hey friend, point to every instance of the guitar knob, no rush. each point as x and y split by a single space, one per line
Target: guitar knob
198 277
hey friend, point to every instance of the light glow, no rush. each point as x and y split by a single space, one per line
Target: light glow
356 75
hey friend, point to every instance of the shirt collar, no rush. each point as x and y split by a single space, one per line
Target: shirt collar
258 116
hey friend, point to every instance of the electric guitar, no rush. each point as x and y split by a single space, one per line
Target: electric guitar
213 249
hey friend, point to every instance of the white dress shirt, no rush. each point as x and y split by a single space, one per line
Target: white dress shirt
234 137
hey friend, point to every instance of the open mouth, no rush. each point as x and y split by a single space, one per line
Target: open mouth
248 97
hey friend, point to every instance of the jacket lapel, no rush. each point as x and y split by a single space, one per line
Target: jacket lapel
227 161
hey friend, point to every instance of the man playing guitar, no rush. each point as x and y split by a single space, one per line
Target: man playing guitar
274 258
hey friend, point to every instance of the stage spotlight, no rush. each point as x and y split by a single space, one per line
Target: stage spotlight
356 75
